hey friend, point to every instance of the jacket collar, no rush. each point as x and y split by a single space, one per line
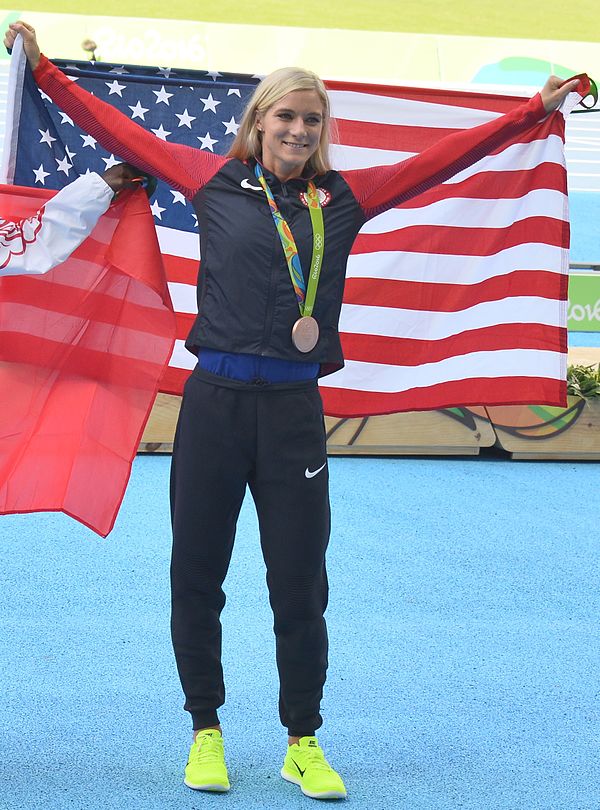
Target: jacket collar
272 179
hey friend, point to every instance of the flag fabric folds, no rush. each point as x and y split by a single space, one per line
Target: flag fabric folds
457 297
82 350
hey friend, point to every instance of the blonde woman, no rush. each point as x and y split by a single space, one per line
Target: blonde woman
276 228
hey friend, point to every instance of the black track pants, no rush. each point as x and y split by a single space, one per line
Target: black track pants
272 438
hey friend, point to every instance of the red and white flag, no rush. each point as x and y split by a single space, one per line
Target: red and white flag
82 350
458 297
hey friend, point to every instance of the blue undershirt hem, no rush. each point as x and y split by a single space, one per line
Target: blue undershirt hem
252 367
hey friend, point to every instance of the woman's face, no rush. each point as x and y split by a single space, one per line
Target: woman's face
291 129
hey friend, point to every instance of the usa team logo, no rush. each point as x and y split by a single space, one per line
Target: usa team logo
324 197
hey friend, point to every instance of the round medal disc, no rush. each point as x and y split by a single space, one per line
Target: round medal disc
305 334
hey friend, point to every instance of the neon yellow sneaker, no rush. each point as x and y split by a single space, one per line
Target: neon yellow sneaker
305 765
206 769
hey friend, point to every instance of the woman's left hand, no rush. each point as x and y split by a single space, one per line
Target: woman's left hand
555 90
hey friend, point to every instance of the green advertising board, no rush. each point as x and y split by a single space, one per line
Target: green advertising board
584 302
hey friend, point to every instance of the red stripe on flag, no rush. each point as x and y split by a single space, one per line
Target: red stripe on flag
445 98
55 298
411 352
496 185
451 297
394 137
498 390
445 239
179 269
185 321
85 362
401 138
174 379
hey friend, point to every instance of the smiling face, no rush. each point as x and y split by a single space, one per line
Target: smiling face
290 132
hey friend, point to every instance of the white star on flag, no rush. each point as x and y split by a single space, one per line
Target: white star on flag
110 161
118 70
88 141
166 72
178 197
46 137
207 142
138 111
157 210
162 95
115 87
185 119
214 74
210 103
44 96
231 127
40 175
63 165
69 153
161 133
66 120
233 91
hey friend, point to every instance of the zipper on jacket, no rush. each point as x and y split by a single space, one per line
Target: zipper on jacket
271 296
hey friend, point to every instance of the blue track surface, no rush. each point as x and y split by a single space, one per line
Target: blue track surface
585 227
584 338
464 648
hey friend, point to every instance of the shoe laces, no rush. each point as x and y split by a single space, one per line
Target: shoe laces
207 749
314 759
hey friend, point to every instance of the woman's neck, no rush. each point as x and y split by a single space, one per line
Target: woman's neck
283 172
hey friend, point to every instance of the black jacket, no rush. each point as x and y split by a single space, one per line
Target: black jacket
246 302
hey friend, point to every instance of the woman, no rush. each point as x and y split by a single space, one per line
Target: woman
276 227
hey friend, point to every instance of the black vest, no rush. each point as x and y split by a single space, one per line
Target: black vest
246 302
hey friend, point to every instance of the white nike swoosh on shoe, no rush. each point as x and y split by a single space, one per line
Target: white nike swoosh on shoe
247 184
310 474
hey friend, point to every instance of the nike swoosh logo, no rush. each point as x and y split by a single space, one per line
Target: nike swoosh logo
310 474
302 772
247 184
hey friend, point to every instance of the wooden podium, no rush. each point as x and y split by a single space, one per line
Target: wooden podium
523 431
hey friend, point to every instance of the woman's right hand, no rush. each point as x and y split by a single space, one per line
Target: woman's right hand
30 46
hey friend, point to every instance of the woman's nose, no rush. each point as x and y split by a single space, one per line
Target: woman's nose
298 127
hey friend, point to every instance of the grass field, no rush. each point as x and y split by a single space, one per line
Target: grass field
513 18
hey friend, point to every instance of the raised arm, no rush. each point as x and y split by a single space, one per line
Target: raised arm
184 168
35 245
382 187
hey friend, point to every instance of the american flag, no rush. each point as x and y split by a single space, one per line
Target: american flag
457 297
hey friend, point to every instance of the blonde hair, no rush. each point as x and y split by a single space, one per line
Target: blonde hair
274 87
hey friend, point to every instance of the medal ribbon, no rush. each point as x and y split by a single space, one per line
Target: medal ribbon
305 297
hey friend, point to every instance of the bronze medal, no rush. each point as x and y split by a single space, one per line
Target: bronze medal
305 334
